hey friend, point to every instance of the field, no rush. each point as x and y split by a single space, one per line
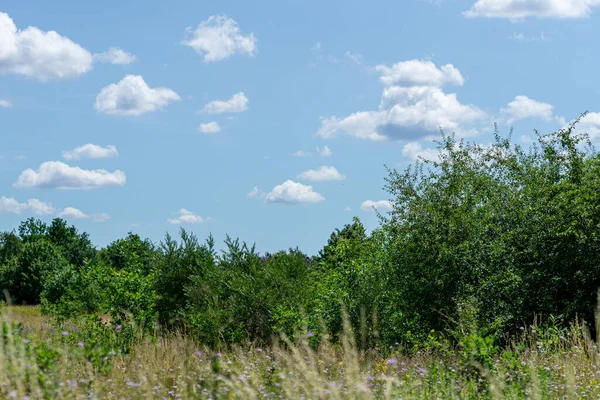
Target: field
87 360
481 282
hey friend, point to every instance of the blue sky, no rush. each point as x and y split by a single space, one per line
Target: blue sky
270 121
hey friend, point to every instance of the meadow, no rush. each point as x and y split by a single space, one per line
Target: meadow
41 359
481 282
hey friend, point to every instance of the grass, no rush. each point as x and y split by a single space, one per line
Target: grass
87 360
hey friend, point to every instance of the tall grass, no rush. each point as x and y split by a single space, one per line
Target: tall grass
41 360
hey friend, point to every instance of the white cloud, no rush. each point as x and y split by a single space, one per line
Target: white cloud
414 151
291 192
324 152
254 192
11 205
132 96
73 213
58 175
356 58
413 106
237 103
36 206
5 104
520 37
39 54
115 55
210 127
589 124
347 208
523 107
102 217
324 173
218 38
381 205
39 207
302 153
185 217
419 73
520 9
406 113
90 150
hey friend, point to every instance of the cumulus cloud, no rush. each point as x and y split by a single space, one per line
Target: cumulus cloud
290 192
5 104
413 106
210 127
11 205
419 73
414 151
520 9
324 173
237 103
324 152
523 107
58 175
36 206
39 207
185 217
406 113
589 124
381 205
132 96
42 55
114 55
73 213
219 38
90 150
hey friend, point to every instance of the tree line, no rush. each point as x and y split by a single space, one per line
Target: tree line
485 237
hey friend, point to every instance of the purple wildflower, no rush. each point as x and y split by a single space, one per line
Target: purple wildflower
392 361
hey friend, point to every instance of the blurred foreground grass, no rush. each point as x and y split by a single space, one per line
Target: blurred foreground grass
90 358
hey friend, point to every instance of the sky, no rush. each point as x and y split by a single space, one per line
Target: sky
271 121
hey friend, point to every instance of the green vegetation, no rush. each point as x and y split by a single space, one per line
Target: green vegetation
443 295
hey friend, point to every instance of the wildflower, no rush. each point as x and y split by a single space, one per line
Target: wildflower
422 371
80 344
198 353
133 384
65 333
310 334
392 361
118 327
25 341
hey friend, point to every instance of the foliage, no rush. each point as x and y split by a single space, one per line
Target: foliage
514 232
477 243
